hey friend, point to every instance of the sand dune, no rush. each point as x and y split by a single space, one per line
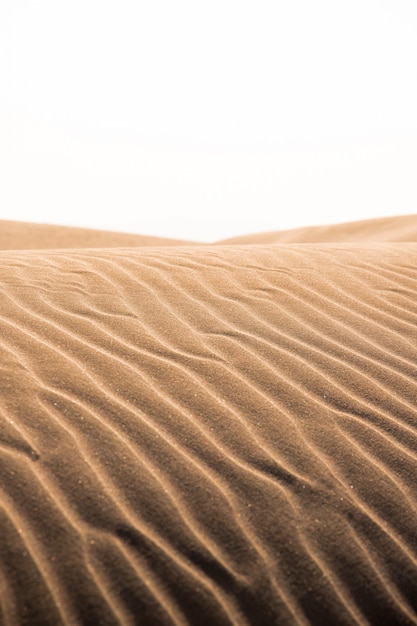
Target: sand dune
26 236
403 228
209 435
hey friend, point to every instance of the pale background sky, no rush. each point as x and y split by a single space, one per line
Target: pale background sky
205 120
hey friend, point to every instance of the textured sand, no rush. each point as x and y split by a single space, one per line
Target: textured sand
208 435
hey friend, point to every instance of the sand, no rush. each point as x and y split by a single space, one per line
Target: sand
208 434
24 236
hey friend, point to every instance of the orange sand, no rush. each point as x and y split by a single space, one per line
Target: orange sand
209 434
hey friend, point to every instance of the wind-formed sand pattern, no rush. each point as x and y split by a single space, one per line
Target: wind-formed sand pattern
209 434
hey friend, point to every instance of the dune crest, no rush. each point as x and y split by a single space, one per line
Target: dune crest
27 236
221 434
384 229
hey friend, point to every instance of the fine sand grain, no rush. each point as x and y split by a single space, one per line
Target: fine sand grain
208 434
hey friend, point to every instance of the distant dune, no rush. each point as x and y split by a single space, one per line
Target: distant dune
209 434
26 236
403 228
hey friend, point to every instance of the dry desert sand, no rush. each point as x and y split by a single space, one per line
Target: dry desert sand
209 434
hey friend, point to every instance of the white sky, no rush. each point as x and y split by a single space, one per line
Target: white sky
204 120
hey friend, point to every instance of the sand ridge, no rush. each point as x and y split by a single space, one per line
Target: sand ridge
27 236
384 229
220 434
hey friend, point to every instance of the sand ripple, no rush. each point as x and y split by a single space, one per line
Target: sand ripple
209 435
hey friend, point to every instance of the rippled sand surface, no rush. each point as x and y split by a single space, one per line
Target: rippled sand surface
208 434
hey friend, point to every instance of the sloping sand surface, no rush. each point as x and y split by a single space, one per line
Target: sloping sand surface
26 236
209 435
403 228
